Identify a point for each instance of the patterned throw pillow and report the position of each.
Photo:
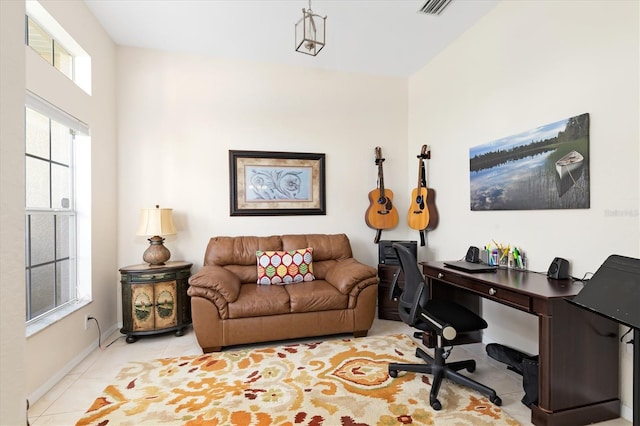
(285, 267)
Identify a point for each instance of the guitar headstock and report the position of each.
(425, 153)
(379, 158)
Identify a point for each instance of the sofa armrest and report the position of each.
(349, 273)
(216, 284)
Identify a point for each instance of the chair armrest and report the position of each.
(348, 273)
(442, 328)
(213, 283)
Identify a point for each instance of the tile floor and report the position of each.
(68, 400)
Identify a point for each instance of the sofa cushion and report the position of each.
(285, 267)
(259, 300)
(246, 274)
(315, 296)
(225, 251)
(325, 246)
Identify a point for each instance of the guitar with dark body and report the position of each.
(422, 214)
(381, 213)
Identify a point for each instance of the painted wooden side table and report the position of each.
(154, 299)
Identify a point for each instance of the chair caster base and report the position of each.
(393, 373)
(496, 400)
(435, 404)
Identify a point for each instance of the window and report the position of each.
(50, 212)
(57, 176)
(50, 41)
(49, 49)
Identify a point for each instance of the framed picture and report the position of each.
(266, 183)
(543, 168)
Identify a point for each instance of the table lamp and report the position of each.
(156, 222)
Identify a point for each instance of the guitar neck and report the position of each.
(423, 153)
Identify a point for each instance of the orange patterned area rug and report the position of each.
(331, 383)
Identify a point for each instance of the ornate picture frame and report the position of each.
(265, 183)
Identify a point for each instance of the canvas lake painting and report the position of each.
(543, 168)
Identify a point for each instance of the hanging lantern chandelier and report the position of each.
(310, 32)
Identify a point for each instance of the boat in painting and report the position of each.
(569, 163)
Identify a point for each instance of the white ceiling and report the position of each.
(383, 37)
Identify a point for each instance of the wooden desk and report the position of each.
(579, 367)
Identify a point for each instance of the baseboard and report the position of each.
(626, 412)
(73, 363)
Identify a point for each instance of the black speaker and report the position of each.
(559, 269)
(473, 255)
(388, 256)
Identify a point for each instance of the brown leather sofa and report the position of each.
(228, 307)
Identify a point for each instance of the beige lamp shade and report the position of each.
(156, 221)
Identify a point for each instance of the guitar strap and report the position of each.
(378, 231)
(423, 182)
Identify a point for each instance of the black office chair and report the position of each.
(443, 317)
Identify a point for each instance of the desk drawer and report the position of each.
(486, 290)
(505, 296)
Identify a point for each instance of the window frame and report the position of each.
(76, 297)
(80, 68)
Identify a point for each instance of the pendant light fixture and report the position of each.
(310, 32)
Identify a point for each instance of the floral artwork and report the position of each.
(276, 183)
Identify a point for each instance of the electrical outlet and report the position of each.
(86, 321)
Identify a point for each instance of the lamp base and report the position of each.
(156, 253)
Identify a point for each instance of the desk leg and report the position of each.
(579, 367)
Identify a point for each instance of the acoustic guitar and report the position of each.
(422, 212)
(381, 213)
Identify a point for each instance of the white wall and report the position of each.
(12, 306)
(179, 115)
(526, 64)
(38, 362)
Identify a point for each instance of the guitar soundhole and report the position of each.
(386, 203)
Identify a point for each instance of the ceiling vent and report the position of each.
(434, 7)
